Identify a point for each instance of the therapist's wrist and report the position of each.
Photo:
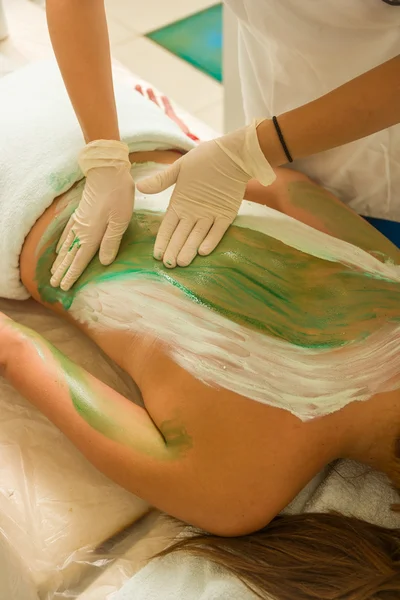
(99, 128)
(107, 133)
(270, 144)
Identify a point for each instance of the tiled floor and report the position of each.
(129, 21)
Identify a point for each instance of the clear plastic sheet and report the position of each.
(58, 515)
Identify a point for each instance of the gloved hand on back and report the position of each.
(103, 214)
(210, 185)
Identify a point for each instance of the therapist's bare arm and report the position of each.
(359, 108)
(78, 31)
(79, 35)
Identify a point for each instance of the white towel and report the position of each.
(183, 577)
(348, 487)
(40, 140)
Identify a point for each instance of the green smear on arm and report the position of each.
(121, 422)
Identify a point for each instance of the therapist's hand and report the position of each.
(103, 214)
(210, 184)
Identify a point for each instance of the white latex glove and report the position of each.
(210, 185)
(103, 214)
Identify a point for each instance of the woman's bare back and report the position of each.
(254, 444)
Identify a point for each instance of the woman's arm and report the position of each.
(116, 436)
(78, 31)
(172, 467)
(355, 110)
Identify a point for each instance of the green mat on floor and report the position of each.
(196, 39)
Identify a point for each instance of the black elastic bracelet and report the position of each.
(282, 139)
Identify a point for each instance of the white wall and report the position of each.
(233, 107)
(3, 23)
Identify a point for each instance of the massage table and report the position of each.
(66, 531)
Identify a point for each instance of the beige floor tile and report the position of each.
(119, 33)
(23, 13)
(28, 35)
(146, 15)
(29, 40)
(180, 81)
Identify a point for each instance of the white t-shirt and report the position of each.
(292, 52)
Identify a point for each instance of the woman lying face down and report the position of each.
(257, 365)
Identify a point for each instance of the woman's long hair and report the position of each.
(311, 556)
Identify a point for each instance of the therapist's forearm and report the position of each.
(78, 31)
(355, 110)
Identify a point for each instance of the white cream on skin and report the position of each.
(308, 382)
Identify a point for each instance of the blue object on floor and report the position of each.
(390, 229)
(197, 39)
